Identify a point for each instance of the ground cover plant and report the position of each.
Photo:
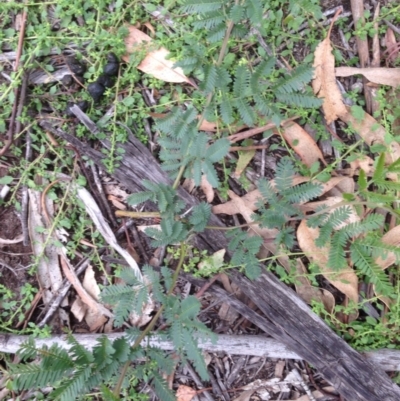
(216, 90)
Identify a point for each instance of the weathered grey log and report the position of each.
(353, 376)
(288, 319)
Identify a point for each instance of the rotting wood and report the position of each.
(288, 319)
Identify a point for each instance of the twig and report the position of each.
(25, 193)
(103, 199)
(10, 134)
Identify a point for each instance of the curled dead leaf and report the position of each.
(302, 143)
(156, 62)
(382, 76)
(324, 82)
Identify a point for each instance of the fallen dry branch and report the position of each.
(231, 344)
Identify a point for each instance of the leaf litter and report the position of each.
(157, 64)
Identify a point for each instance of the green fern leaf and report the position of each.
(201, 6)
(245, 111)
(303, 192)
(193, 352)
(190, 308)
(300, 100)
(362, 260)
(209, 20)
(226, 109)
(218, 150)
(160, 387)
(236, 13)
(241, 82)
(294, 81)
(200, 215)
(74, 386)
(210, 79)
(140, 197)
(284, 174)
(217, 33)
(337, 256)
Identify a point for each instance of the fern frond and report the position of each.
(178, 123)
(201, 6)
(70, 388)
(264, 69)
(298, 99)
(190, 308)
(218, 150)
(294, 81)
(236, 13)
(254, 11)
(362, 259)
(245, 111)
(161, 388)
(337, 256)
(241, 82)
(210, 172)
(210, 79)
(209, 20)
(284, 174)
(193, 353)
(217, 33)
(164, 362)
(200, 215)
(371, 222)
(226, 109)
(139, 197)
(303, 192)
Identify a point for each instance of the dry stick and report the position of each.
(10, 134)
(25, 193)
(103, 199)
(255, 131)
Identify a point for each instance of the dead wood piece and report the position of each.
(352, 375)
(137, 165)
(288, 319)
(247, 345)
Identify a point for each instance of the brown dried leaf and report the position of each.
(324, 82)
(346, 280)
(302, 143)
(156, 62)
(372, 133)
(207, 188)
(309, 293)
(382, 76)
(392, 237)
(245, 157)
(391, 45)
(185, 393)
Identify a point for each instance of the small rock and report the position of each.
(112, 58)
(111, 69)
(96, 91)
(75, 66)
(105, 80)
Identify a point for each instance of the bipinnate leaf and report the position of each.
(324, 82)
(156, 62)
(345, 280)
